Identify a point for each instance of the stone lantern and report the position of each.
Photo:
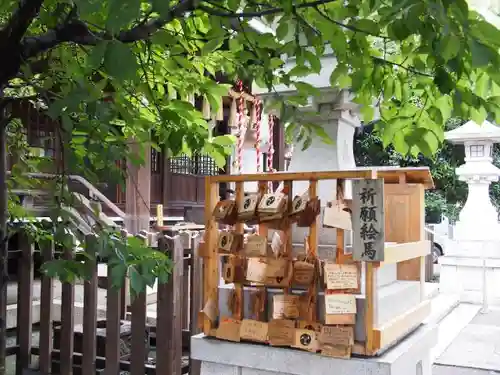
(478, 219)
(470, 267)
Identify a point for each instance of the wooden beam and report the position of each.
(391, 331)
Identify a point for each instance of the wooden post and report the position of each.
(168, 316)
(137, 206)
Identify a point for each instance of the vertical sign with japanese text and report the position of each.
(368, 220)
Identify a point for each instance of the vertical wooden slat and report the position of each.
(169, 315)
(67, 321)
(238, 288)
(313, 252)
(90, 315)
(24, 304)
(211, 262)
(196, 297)
(46, 296)
(138, 347)
(113, 302)
(263, 231)
(185, 296)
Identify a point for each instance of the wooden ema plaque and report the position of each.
(225, 212)
(337, 215)
(234, 270)
(268, 271)
(336, 351)
(345, 277)
(311, 326)
(337, 335)
(306, 340)
(230, 242)
(255, 246)
(247, 208)
(254, 330)
(285, 306)
(229, 329)
(303, 273)
(340, 309)
(272, 206)
(281, 332)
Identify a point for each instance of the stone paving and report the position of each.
(477, 346)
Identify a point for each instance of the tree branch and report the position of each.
(265, 12)
(78, 32)
(20, 20)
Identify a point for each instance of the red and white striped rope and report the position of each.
(241, 137)
(258, 116)
(270, 152)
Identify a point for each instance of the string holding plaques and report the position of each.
(230, 242)
(225, 212)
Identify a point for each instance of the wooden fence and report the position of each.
(108, 346)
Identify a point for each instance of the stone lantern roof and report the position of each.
(471, 131)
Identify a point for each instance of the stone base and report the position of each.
(464, 276)
(409, 357)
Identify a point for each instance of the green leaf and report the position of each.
(367, 26)
(282, 30)
(450, 47)
(444, 81)
(313, 60)
(96, 55)
(120, 62)
(225, 140)
(161, 6)
(122, 13)
(481, 54)
(137, 283)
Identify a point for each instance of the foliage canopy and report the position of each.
(111, 70)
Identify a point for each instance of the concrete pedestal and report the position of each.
(467, 277)
(410, 357)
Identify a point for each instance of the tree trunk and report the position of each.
(3, 236)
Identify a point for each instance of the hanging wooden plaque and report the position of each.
(339, 335)
(307, 217)
(254, 330)
(337, 215)
(247, 207)
(299, 204)
(340, 309)
(306, 340)
(285, 306)
(255, 246)
(229, 329)
(303, 273)
(234, 270)
(273, 203)
(281, 332)
(341, 276)
(230, 242)
(225, 212)
(336, 351)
